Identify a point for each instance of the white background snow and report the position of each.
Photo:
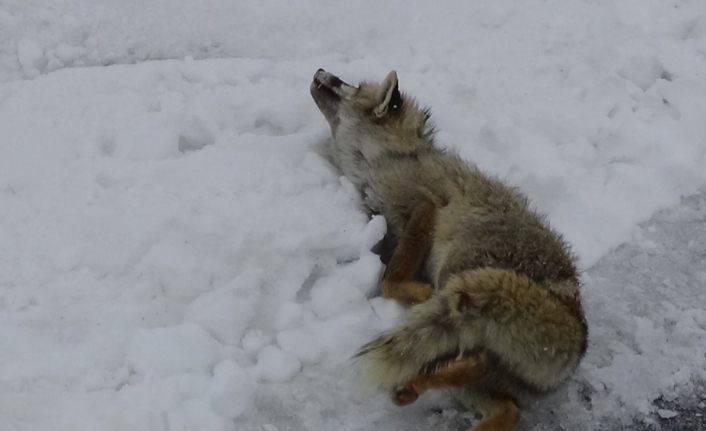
(175, 253)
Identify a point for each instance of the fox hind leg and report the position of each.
(502, 415)
(460, 372)
(408, 257)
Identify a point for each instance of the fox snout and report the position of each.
(328, 90)
(328, 80)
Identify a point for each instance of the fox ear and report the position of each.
(390, 98)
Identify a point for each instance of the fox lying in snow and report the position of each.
(496, 313)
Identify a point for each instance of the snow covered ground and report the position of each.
(175, 254)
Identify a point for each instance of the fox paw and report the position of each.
(403, 395)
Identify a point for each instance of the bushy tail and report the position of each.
(402, 352)
(530, 328)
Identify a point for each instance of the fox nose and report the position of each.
(320, 74)
(327, 79)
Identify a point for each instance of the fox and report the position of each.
(493, 292)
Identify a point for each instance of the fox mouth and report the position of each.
(328, 91)
(325, 83)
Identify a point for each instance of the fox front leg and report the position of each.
(408, 257)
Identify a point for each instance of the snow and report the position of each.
(184, 348)
(667, 414)
(177, 253)
(276, 365)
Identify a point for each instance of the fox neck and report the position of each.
(371, 147)
(360, 157)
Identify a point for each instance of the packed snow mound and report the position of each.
(179, 254)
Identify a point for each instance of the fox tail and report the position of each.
(536, 331)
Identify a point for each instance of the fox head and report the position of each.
(372, 113)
